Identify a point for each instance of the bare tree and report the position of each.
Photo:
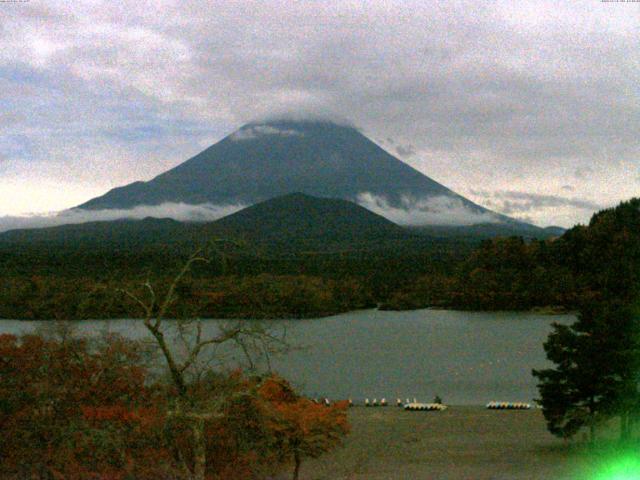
(251, 337)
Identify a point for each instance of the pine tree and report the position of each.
(596, 373)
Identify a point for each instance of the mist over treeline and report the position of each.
(412, 212)
(178, 211)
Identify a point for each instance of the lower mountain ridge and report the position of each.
(290, 222)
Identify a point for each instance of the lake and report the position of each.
(465, 357)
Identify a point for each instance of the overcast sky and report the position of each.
(529, 108)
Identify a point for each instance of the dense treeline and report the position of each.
(40, 281)
(502, 274)
(264, 280)
(260, 296)
(512, 274)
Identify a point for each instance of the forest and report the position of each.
(111, 408)
(85, 280)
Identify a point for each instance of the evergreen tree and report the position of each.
(620, 326)
(596, 373)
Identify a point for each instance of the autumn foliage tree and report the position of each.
(75, 410)
(192, 412)
(301, 427)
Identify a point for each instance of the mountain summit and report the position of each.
(266, 160)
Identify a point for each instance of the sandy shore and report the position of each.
(460, 443)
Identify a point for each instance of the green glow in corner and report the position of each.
(626, 467)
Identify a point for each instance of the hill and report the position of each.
(299, 218)
(286, 225)
(302, 256)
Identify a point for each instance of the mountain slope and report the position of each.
(266, 160)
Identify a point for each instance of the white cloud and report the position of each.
(255, 131)
(178, 211)
(440, 210)
(532, 206)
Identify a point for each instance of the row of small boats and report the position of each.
(434, 406)
(429, 407)
(508, 406)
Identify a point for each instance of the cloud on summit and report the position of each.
(255, 131)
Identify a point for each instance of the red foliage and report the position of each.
(75, 411)
(71, 411)
(302, 427)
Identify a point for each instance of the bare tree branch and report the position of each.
(261, 340)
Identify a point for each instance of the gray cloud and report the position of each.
(583, 172)
(506, 95)
(514, 202)
(406, 150)
(178, 211)
(428, 211)
(11, 118)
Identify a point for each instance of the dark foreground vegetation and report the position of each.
(585, 263)
(71, 408)
(274, 270)
(76, 410)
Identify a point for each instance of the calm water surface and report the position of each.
(465, 357)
